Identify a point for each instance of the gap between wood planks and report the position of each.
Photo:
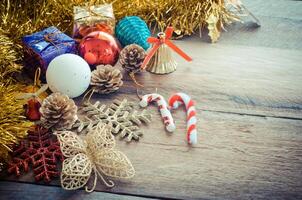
(254, 115)
(12, 183)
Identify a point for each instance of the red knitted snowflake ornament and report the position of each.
(41, 151)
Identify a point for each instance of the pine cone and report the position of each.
(106, 79)
(58, 112)
(132, 57)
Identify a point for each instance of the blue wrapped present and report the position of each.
(41, 47)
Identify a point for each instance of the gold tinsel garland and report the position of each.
(13, 124)
(8, 56)
(22, 17)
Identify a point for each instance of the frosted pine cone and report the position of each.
(106, 79)
(132, 57)
(58, 112)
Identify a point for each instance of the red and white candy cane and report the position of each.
(163, 108)
(181, 98)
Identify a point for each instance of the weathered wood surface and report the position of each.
(249, 102)
(248, 80)
(238, 157)
(13, 190)
(280, 25)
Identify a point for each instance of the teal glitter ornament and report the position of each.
(133, 30)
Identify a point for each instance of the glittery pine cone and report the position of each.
(58, 112)
(132, 57)
(106, 79)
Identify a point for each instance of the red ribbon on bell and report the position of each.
(163, 38)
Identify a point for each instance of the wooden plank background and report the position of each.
(13, 190)
(248, 89)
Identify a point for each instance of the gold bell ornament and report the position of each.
(159, 59)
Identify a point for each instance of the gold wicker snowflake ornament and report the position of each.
(119, 115)
(96, 154)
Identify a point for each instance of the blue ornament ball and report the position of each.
(133, 30)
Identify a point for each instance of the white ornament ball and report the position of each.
(68, 74)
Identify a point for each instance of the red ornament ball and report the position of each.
(90, 58)
(100, 48)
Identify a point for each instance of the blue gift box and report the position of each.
(41, 47)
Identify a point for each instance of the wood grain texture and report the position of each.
(238, 157)
(283, 9)
(17, 191)
(247, 80)
(280, 25)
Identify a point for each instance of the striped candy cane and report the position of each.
(163, 108)
(181, 98)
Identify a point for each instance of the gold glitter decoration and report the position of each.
(8, 56)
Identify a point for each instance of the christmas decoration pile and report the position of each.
(85, 136)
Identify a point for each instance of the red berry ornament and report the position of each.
(32, 110)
